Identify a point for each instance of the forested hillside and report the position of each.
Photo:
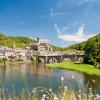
(20, 42)
(81, 46)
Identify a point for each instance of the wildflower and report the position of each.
(56, 98)
(33, 91)
(62, 78)
(79, 96)
(90, 88)
(65, 88)
(73, 76)
(93, 81)
(50, 90)
(79, 91)
(89, 96)
(44, 96)
(41, 90)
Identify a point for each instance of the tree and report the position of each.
(92, 51)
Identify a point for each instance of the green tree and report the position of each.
(92, 51)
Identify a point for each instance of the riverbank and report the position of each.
(89, 69)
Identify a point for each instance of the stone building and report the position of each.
(41, 46)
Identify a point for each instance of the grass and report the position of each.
(64, 94)
(86, 68)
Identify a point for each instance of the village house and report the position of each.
(23, 54)
(9, 53)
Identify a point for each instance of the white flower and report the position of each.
(79, 91)
(65, 88)
(41, 90)
(50, 90)
(56, 98)
(62, 78)
(93, 81)
(33, 91)
(43, 97)
(79, 96)
(73, 76)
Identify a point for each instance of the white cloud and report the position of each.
(80, 30)
(84, 1)
(57, 29)
(62, 3)
(64, 28)
(52, 13)
(74, 37)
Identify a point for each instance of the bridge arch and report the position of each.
(40, 59)
(52, 60)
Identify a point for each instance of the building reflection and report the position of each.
(39, 69)
(42, 70)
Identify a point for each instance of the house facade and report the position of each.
(23, 54)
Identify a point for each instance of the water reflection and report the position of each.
(30, 76)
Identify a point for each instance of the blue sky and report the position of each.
(61, 22)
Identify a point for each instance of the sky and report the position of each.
(60, 22)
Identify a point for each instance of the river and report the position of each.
(29, 76)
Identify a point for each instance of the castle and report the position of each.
(41, 47)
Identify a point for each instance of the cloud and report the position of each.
(51, 13)
(57, 29)
(62, 3)
(64, 28)
(74, 37)
(80, 30)
(84, 1)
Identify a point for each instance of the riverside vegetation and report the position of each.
(39, 93)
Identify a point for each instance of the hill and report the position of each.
(81, 46)
(20, 42)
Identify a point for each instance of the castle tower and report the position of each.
(38, 39)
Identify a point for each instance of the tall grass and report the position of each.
(41, 93)
(66, 94)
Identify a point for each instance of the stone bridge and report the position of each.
(49, 58)
(57, 58)
(73, 57)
